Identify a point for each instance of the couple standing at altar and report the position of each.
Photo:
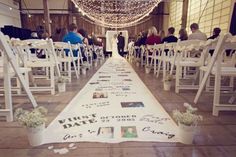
(118, 44)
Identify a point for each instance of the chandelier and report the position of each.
(116, 13)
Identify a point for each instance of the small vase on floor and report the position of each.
(147, 70)
(167, 85)
(61, 87)
(95, 63)
(84, 71)
(186, 133)
(35, 135)
(100, 61)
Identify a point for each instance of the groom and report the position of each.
(121, 44)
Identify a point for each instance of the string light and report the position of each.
(116, 13)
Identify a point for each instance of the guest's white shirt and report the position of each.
(197, 35)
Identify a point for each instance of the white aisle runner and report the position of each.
(114, 106)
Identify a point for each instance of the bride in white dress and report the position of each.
(114, 42)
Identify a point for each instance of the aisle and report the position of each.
(114, 106)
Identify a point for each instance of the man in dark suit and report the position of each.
(170, 38)
(121, 44)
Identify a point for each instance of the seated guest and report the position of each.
(86, 41)
(170, 37)
(64, 31)
(56, 35)
(183, 35)
(84, 35)
(45, 35)
(216, 33)
(96, 41)
(162, 34)
(40, 30)
(152, 37)
(138, 39)
(143, 38)
(72, 35)
(196, 33)
(90, 39)
(59, 34)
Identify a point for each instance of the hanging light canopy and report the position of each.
(116, 13)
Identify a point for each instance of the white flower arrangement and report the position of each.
(168, 78)
(188, 117)
(85, 65)
(61, 79)
(31, 119)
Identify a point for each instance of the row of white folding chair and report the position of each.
(216, 67)
(150, 51)
(228, 60)
(99, 52)
(87, 55)
(66, 58)
(24, 71)
(49, 63)
(174, 52)
(167, 55)
(143, 55)
(88, 52)
(131, 53)
(163, 56)
(149, 55)
(136, 53)
(146, 53)
(187, 54)
(10, 60)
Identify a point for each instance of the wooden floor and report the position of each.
(216, 136)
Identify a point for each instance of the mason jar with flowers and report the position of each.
(34, 121)
(61, 84)
(187, 122)
(167, 82)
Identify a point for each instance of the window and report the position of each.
(207, 13)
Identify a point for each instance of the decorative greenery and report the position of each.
(188, 117)
(31, 119)
(61, 79)
(168, 78)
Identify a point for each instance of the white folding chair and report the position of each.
(65, 57)
(184, 58)
(164, 55)
(216, 68)
(48, 64)
(10, 59)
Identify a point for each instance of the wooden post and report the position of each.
(184, 14)
(70, 10)
(47, 17)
